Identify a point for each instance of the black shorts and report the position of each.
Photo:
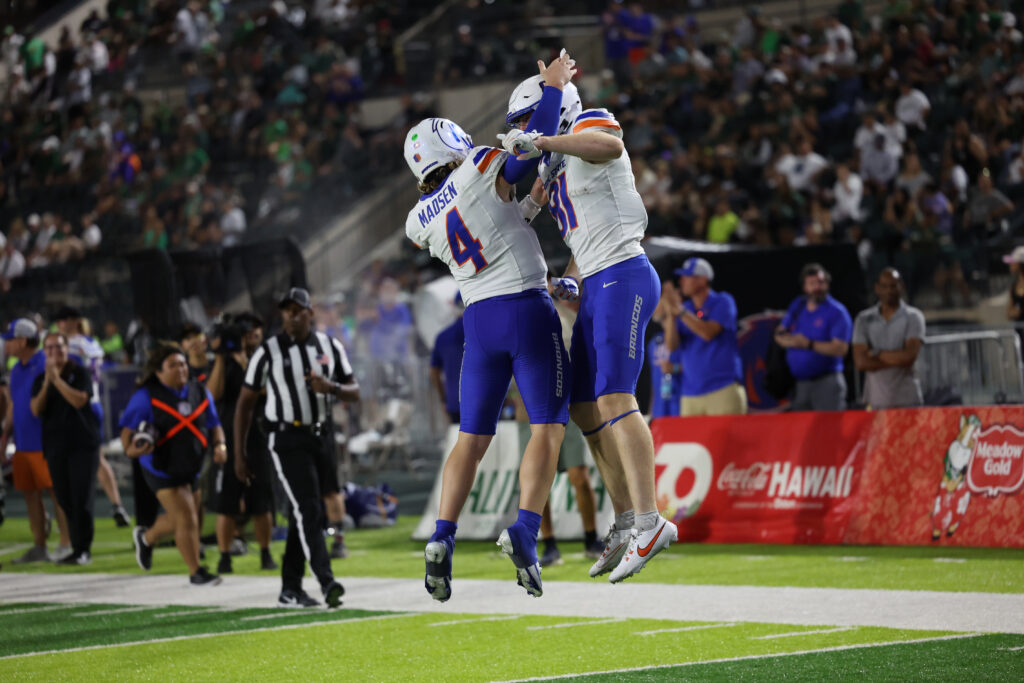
(156, 483)
(227, 493)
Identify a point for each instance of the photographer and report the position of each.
(234, 340)
(168, 425)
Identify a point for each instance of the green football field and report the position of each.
(141, 636)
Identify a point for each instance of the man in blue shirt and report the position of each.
(446, 363)
(816, 335)
(705, 332)
(31, 474)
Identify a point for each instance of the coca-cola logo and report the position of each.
(739, 479)
(997, 463)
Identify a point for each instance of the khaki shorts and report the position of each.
(729, 400)
(30, 471)
(572, 453)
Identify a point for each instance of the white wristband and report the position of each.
(528, 208)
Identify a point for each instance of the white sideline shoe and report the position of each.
(643, 545)
(615, 542)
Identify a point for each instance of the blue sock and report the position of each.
(531, 520)
(524, 535)
(445, 529)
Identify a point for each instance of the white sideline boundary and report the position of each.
(804, 607)
(725, 660)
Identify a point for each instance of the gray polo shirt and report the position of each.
(890, 387)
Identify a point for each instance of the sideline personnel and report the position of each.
(299, 368)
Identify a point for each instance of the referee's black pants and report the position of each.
(74, 484)
(295, 454)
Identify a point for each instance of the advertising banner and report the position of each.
(785, 478)
(494, 499)
(950, 476)
(913, 477)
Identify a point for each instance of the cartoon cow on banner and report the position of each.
(954, 496)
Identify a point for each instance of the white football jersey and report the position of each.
(483, 240)
(599, 212)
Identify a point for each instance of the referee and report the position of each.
(299, 368)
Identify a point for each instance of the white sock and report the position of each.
(646, 521)
(625, 520)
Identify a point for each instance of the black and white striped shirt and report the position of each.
(282, 365)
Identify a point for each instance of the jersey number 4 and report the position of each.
(561, 207)
(464, 246)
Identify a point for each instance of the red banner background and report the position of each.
(903, 477)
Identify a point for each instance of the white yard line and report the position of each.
(119, 610)
(42, 608)
(574, 624)
(794, 634)
(681, 629)
(1012, 649)
(724, 660)
(188, 613)
(459, 622)
(287, 627)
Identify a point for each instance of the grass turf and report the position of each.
(996, 657)
(317, 644)
(389, 553)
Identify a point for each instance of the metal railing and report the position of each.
(975, 367)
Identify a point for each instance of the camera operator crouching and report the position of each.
(234, 340)
(301, 369)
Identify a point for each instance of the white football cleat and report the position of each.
(615, 543)
(643, 545)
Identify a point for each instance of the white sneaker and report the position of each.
(527, 573)
(643, 545)
(615, 542)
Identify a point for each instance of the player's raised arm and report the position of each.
(590, 145)
(544, 120)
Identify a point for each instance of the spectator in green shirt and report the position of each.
(723, 223)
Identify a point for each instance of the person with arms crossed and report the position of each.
(468, 219)
(71, 441)
(169, 424)
(705, 330)
(816, 335)
(300, 368)
(31, 473)
(602, 219)
(886, 341)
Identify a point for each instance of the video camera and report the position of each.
(231, 329)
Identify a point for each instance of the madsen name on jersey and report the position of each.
(445, 196)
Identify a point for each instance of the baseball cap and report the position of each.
(1015, 256)
(21, 328)
(696, 267)
(296, 295)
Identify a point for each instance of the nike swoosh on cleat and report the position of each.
(612, 551)
(609, 284)
(646, 549)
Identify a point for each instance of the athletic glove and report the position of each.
(520, 144)
(566, 288)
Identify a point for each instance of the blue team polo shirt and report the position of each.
(447, 357)
(140, 409)
(28, 429)
(828, 321)
(710, 365)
